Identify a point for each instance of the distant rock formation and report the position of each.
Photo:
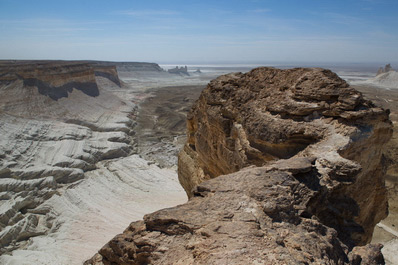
(179, 70)
(386, 78)
(108, 72)
(134, 66)
(281, 167)
(56, 79)
(386, 69)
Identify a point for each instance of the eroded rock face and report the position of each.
(57, 120)
(57, 79)
(300, 154)
(270, 114)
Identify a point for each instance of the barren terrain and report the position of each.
(72, 174)
(99, 162)
(161, 123)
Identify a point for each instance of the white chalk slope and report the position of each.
(89, 214)
(68, 180)
(387, 80)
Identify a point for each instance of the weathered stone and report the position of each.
(279, 168)
(277, 114)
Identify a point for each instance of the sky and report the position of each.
(204, 31)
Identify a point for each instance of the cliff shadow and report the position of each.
(55, 93)
(338, 211)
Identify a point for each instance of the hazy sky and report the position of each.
(200, 31)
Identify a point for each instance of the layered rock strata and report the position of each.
(300, 154)
(57, 120)
(57, 79)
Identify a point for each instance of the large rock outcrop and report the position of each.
(303, 177)
(270, 114)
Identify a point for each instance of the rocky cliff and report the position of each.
(281, 167)
(135, 66)
(57, 79)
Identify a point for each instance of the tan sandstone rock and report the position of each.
(270, 114)
(300, 154)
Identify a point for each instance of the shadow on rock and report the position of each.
(55, 93)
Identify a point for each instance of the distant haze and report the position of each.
(200, 31)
